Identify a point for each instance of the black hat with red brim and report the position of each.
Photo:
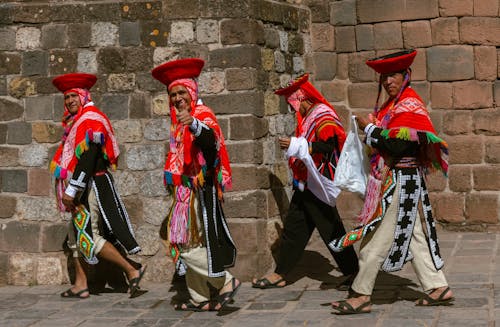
(394, 62)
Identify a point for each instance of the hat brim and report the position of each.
(287, 91)
(178, 69)
(74, 81)
(394, 62)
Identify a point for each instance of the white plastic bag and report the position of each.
(351, 173)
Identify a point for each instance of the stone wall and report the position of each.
(251, 47)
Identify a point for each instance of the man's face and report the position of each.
(72, 102)
(392, 83)
(180, 97)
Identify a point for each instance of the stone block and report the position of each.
(28, 38)
(8, 207)
(157, 130)
(155, 33)
(322, 37)
(156, 209)
(240, 56)
(140, 105)
(147, 237)
(320, 11)
(417, 34)
(129, 33)
(466, 149)
(362, 95)
(10, 110)
(120, 82)
(211, 82)
(245, 152)
(38, 108)
(456, 8)
(482, 208)
(31, 14)
(10, 63)
(371, 11)
(497, 93)
(445, 30)
(145, 157)
(422, 89)
(39, 182)
(325, 65)
(19, 133)
(38, 208)
(457, 122)
(3, 133)
(449, 63)
(279, 62)
(272, 38)
(135, 209)
(437, 120)
(246, 205)
(115, 106)
(486, 8)
(146, 82)
(486, 178)
(44, 132)
(161, 105)
(448, 207)
(104, 34)
(207, 31)
(33, 155)
(53, 236)
(343, 66)
(460, 178)
(343, 12)
(142, 11)
(480, 30)
(8, 36)
(247, 236)
(441, 95)
(87, 61)
(334, 91)
(20, 87)
(9, 157)
(345, 39)
(22, 269)
(241, 31)
(16, 236)
(35, 63)
(150, 185)
(67, 12)
(295, 43)
(84, 33)
(237, 103)
(111, 60)
(241, 79)
(436, 182)
(49, 271)
(364, 37)
(247, 178)
(181, 32)
(4, 258)
(487, 121)
(291, 17)
(485, 63)
(472, 94)
(54, 36)
(126, 182)
(247, 127)
(229, 8)
(387, 36)
(62, 61)
(492, 151)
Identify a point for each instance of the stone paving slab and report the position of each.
(470, 266)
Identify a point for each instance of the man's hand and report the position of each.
(362, 122)
(284, 142)
(184, 117)
(68, 202)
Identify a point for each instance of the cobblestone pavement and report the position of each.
(470, 266)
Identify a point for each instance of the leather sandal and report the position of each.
(427, 301)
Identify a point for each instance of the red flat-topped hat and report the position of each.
(394, 62)
(177, 69)
(74, 81)
(293, 86)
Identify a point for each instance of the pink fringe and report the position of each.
(179, 221)
(372, 198)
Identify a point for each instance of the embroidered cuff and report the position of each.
(71, 191)
(196, 127)
(368, 131)
(78, 183)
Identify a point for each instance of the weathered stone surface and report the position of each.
(487, 121)
(417, 34)
(211, 82)
(387, 36)
(111, 60)
(128, 130)
(38, 108)
(127, 183)
(247, 127)
(10, 63)
(157, 130)
(240, 56)
(67, 12)
(147, 237)
(9, 156)
(28, 38)
(84, 32)
(16, 236)
(245, 152)
(33, 155)
(3, 133)
(345, 39)
(460, 178)
(207, 31)
(49, 271)
(62, 62)
(242, 31)
(272, 38)
(87, 61)
(322, 37)
(492, 150)
(472, 94)
(39, 182)
(120, 82)
(54, 36)
(370, 11)
(53, 236)
(250, 178)
(441, 95)
(445, 30)
(486, 178)
(364, 37)
(135, 209)
(37, 208)
(4, 264)
(296, 43)
(151, 184)
(10, 110)
(104, 34)
(138, 59)
(480, 30)
(156, 209)
(465, 149)
(334, 91)
(357, 68)
(246, 205)
(482, 208)
(359, 95)
(448, 207)
(22, 269)
(47, 132)
(241, 79)
(8, 207)
(343, 12)
(448, 63)
(279, 62)
(19, 133)
(21, 87)
(140, 105)
(237, 103)
(161, 105)
(129, 34)
(486, 7)
(230, 8)
(115, 106)
(35, 63)
(145, 157)
(326, 65)
(8, 36)
(155, 33)
(485, 63)
(457, 122)
(455, 8)
(182, 32)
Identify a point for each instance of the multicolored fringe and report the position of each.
(86, 246)
(180, 218)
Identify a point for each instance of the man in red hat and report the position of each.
(85, 188)
(405, 148)
(313, 155)
(196, 173)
